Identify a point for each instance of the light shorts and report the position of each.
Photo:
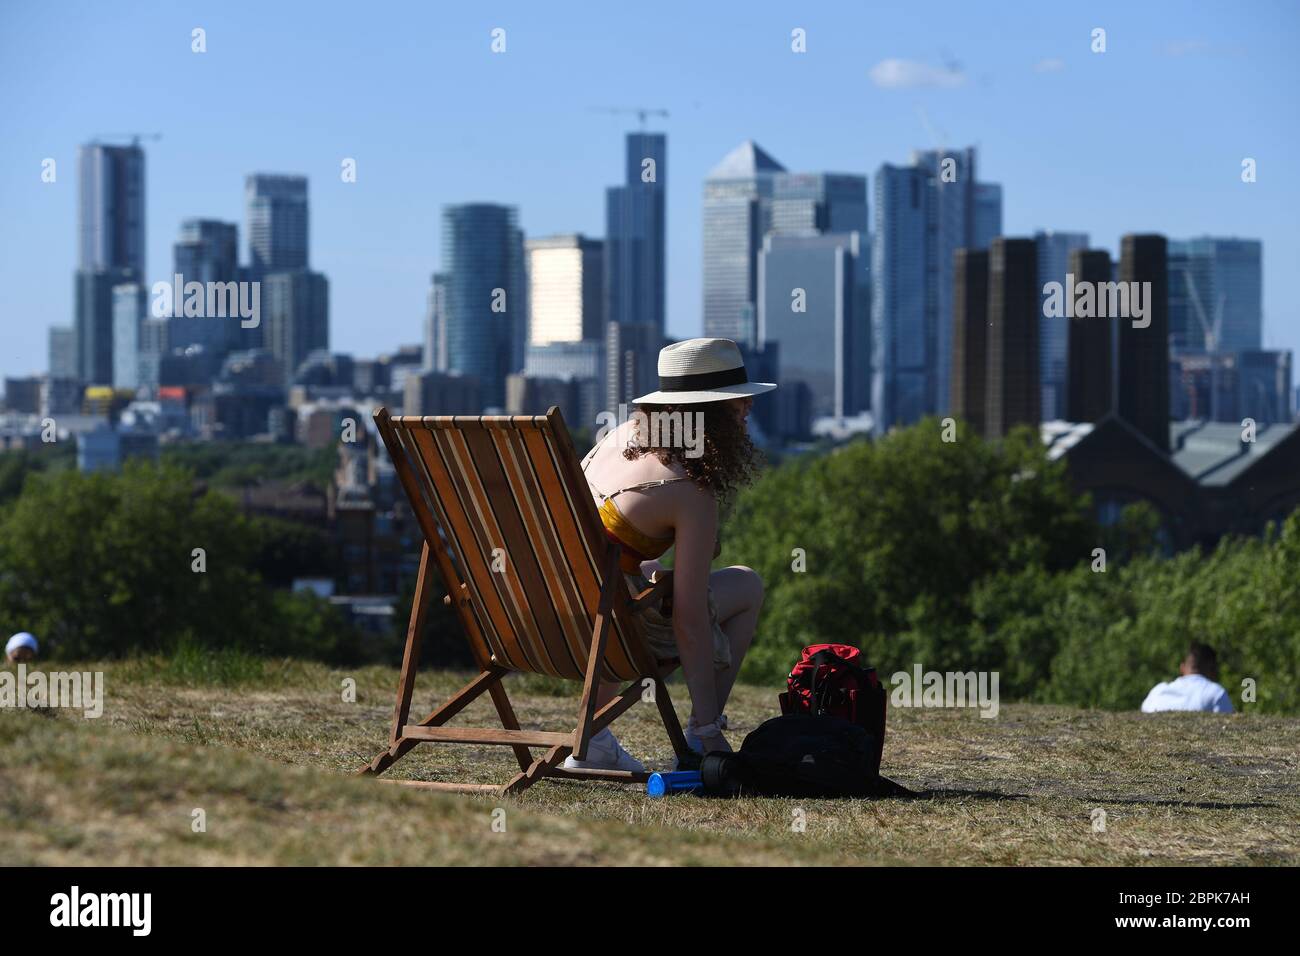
(659, 627)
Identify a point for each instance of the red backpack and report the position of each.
(834, 680)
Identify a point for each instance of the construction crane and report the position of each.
(641, 111)
(134, 137)
(1212, 332)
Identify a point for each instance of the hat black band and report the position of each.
(703, 381)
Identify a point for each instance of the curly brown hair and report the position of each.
(729, 459)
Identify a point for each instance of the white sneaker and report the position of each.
(604, 752)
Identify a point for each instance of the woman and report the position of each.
(658, 480)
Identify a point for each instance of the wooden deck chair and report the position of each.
(510, 524)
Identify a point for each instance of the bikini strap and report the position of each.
(638, 487)
(641, 487)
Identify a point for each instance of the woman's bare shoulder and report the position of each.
(693, 498)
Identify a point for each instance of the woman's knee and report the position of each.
(750, 585)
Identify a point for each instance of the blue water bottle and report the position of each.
(666, 784)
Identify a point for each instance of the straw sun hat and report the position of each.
(702, 370)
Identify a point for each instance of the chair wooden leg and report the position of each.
(596, 657)
(510, 722)
(505, 710)
(539, 769)
(623, 701)
(590, 720)
(547, 766)
(414, 637)
(669, 716)
(487, 680)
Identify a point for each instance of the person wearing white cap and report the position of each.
(21, 647)
(658, 480)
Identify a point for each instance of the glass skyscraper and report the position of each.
(737, 214)
(1054, 250)
(631, 361)
(565, 289)
(818, 203)
(486, 294)
(748, 196)
(152, 351)
(924, 213)
(276, 219)
(813, 306)
(636, 230)
(63, 352)
(110, 248)
(294, 317)
(111, 224)
(580, 363)
(93, 309)
(988, 214)
(208, 251)
(435, 325)
(1264, 386)
(1215, 287)
(963, 213)
(128, 317)
(902, 335)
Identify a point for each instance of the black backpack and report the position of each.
(835, 680)
(800, 755)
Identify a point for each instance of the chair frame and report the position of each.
(614, 596)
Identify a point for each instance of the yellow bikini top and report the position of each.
(637, 545)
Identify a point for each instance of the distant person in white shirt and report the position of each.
(21, 648)
(1195, 689)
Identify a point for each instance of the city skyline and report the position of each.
(379, 243)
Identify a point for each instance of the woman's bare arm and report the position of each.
(695, 534)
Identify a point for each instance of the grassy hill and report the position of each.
(263, 749)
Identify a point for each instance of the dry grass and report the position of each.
(264, 753)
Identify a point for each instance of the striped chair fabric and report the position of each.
(510, 505)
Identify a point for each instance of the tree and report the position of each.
(895, 533)
(101, 564)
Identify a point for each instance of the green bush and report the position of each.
(894, 535)
(104, 565)
(974, 555)
(101, 564)
(16, 464)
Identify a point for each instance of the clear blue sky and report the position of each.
(1148, 136)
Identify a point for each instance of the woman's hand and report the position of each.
(651, 568)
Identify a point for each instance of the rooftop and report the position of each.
(1213, 453)
(745, 161)
(1210, 453)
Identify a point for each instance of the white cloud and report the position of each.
(1049, 65)
(897, 74)
(1186, 47)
